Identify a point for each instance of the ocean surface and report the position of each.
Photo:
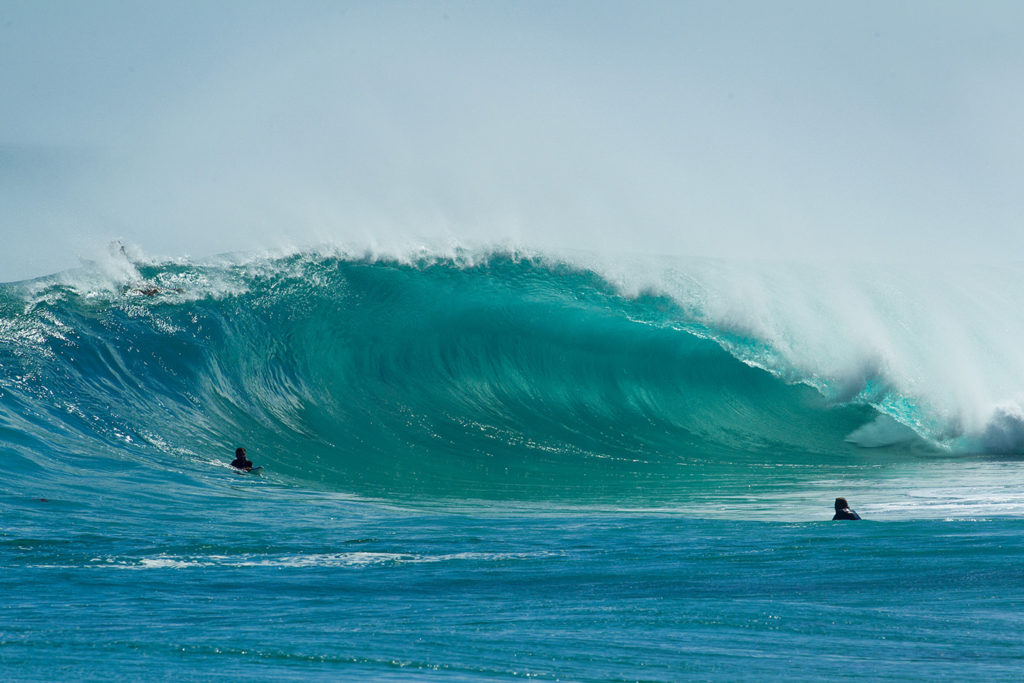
(503, 465)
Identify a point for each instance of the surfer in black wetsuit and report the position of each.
(843, 510)
(240, 461)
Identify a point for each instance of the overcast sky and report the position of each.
(806, 130)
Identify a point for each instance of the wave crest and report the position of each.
(499, 374)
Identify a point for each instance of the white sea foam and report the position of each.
(346, 559)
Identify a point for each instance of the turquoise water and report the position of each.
(475, 469)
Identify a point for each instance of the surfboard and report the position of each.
(256, 470)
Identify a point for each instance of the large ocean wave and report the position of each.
(494, 375)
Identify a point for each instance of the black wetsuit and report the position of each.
(845, 513)
(241, 463)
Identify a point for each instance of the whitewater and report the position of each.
(488, 464)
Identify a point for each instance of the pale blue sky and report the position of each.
(807, 130)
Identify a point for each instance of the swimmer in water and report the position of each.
(240, 462)
(843, 510)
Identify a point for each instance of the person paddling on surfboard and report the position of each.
(843, 510)
(240, 461)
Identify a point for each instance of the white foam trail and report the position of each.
(354, 559)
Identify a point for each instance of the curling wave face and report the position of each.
(495, 377)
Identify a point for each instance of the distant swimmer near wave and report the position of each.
(843, 510)
(242, 463)
(144, 287)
